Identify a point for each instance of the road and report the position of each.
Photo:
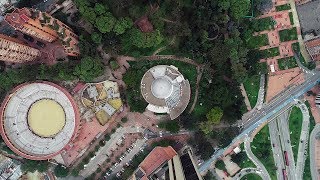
(284, 134)
(276, 148)
(261, 93)
(264, 173)
(267, 113)
(303, 143)
(312, 146)
(246, 171)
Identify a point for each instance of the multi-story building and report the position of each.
(164, 163)
(313, 48)
(12, 50)
(43, 26)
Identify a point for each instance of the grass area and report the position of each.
(261, 147)
(291, 18)
(307, 172)
(287, 63)
(257, 41)
(283, 7)
(263, 24)
(251, 177)
(288, 34)
(272, 52)
(295, 123)
(252, 85)
(245, 161)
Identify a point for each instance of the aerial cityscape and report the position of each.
(159, 90)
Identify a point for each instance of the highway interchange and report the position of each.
(271, 111)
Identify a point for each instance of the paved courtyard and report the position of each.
(309, 16)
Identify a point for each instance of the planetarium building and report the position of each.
(166, 90)
(38, 120)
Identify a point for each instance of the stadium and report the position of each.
(38, 120)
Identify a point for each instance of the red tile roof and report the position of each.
(156, 158)
(313, 47)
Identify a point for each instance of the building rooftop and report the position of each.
(313, 48)
(31, 128)
(155, 159)
(166, 90)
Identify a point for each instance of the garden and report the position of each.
(283, 7)
(287, 63)
(268, 53)
(252, 86)
(288, 34)
(261, 147)
(295, 124)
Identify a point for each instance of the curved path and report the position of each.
(312, 146)
(247, 171)
(163, 57)
(264, 173)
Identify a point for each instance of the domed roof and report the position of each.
(161, 88)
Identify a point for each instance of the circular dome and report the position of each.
(38, 120)
(161, 88)
(46, 118)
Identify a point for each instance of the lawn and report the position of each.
(251, 177)
(252, 85)
(272, 52)
(261, 147)
(245, 161)
(257, 41)
(283, 7)
(288, 34)
(287, 63)
(307, 172)
(296, 48)
(291, 18)
(295, 123)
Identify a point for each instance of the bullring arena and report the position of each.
(38, 120)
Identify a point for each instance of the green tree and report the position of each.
(61, 171)
(214, 115)
(122, 25)
(105, 23)
(172, 126)
(224, 5)
(89, 14)
(88, 69)
(96, 37)
(145, 40)
(100, 8)
(32, 166)
(239, 8)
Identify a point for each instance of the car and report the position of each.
(273, 145)
(288, 141)
(27, 37)
(107, 174)
(40, 44)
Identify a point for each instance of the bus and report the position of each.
(284, 173)
(286, 158)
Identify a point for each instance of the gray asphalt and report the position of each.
(312, 147)
(284, 133)
(264, 173)
(303, 143)
(276, 148)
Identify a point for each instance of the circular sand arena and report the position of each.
(46, 113)
(38, 120)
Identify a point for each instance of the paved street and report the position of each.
(303, 143)
(284, 133)
(264, 173)
(101, 155)
(313, 161)
(276, 148)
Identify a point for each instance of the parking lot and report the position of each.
(309, 16)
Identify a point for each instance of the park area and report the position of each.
(252, 85)
(272, 52)
(288, 34)
(295, 123)
(287, 63)
(251, 176)
(257, 41)
(261, 147)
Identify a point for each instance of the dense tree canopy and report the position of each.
(88, 69)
